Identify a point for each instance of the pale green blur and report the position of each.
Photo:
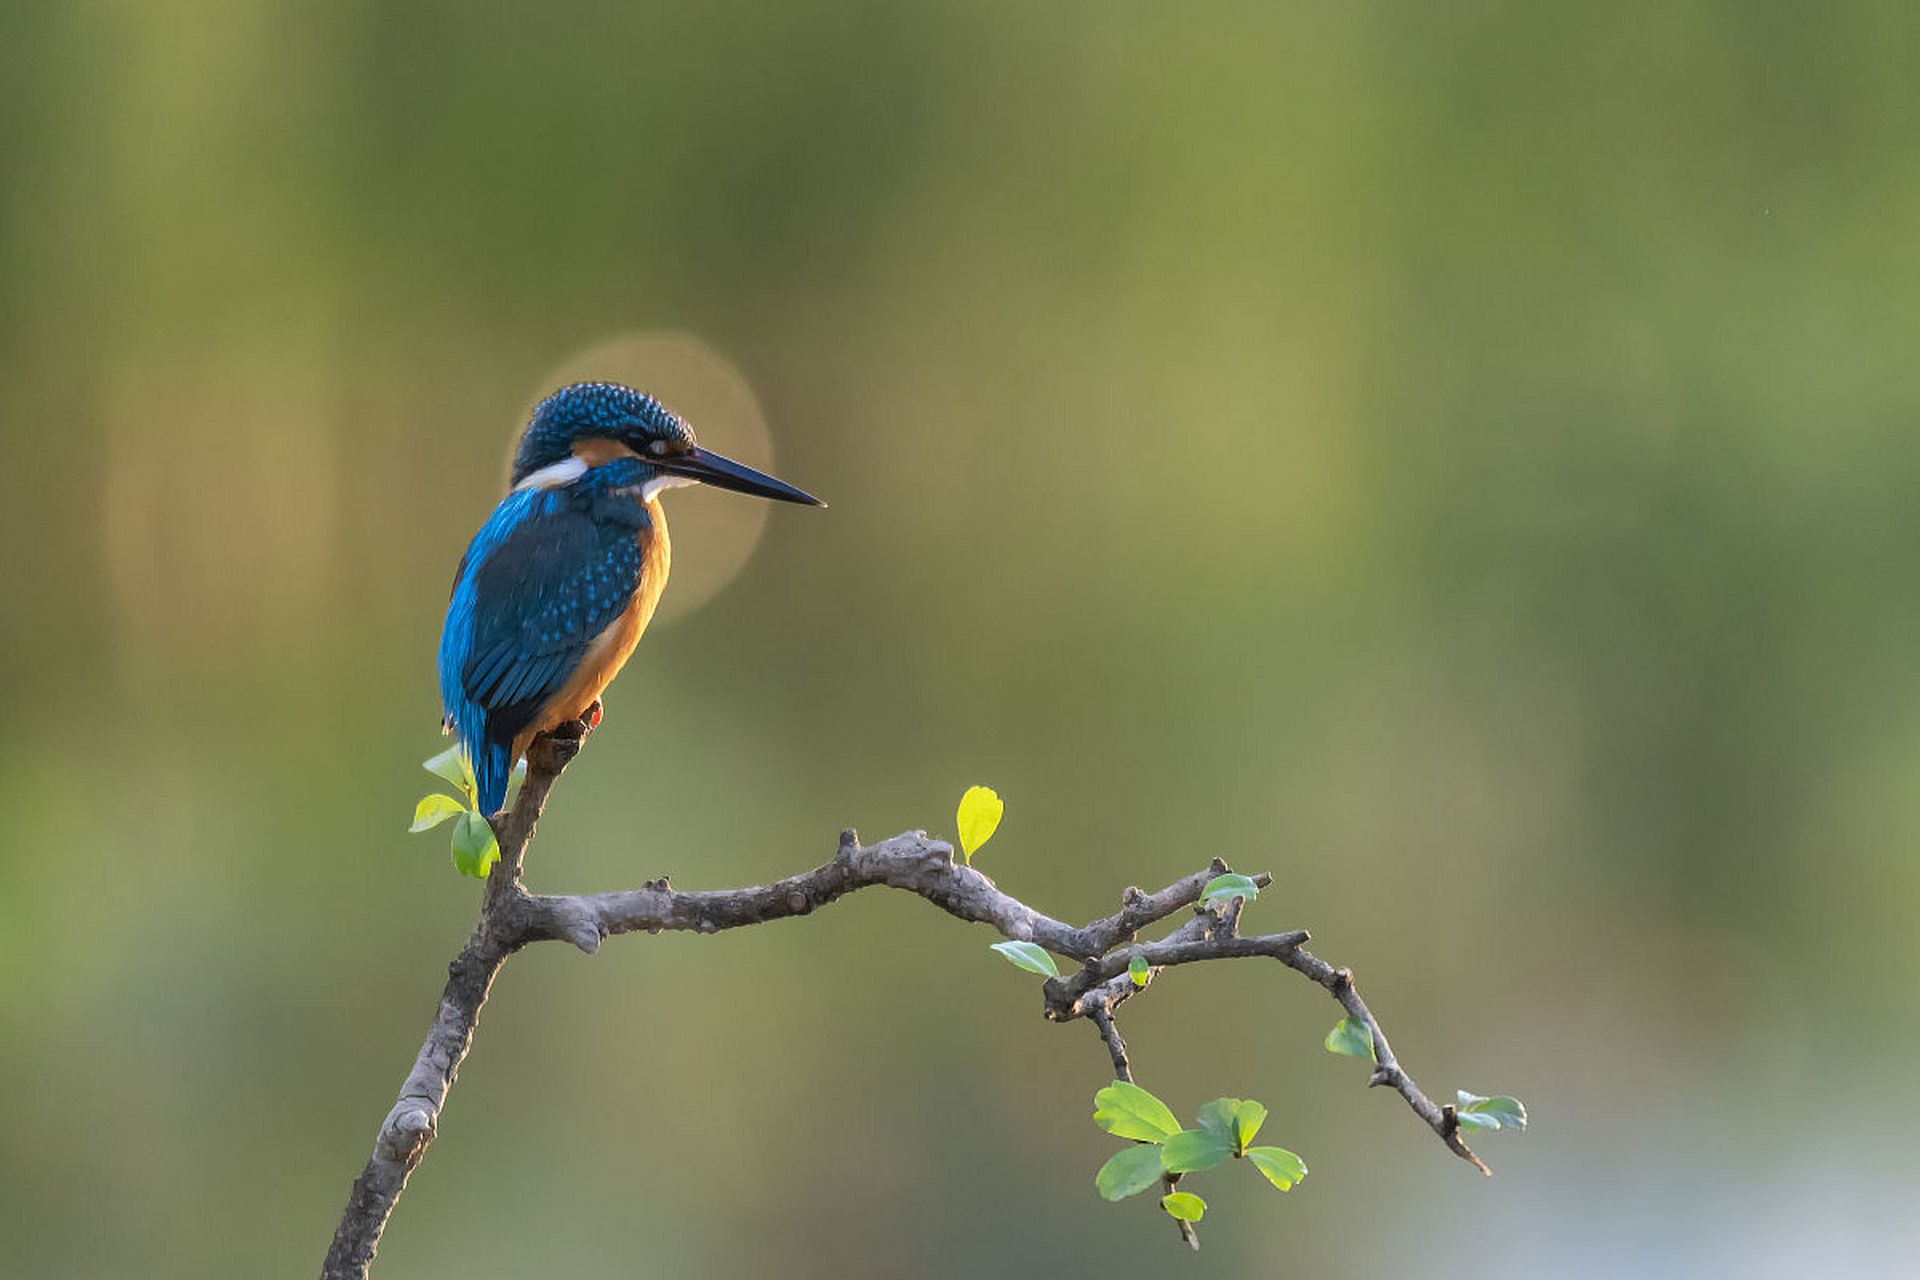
(1460, 458)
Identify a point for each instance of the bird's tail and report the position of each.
(492, 767)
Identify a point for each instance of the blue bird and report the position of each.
(557, 586)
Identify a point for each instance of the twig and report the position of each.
(1102, 1018)
(511, 918)
(1110, 1034)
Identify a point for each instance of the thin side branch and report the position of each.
(511, 918)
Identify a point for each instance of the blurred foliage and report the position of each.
(1459, 458)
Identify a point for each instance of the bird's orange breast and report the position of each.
(614, 645)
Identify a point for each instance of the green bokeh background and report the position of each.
(1460, 458)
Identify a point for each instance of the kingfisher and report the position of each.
(556, 588)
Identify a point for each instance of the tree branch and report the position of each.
(511, 918)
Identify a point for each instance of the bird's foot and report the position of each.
(552, 752)
(562, 743)
(577, 730)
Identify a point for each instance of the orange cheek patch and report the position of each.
(596, 450)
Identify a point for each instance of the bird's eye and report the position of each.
(658, 448)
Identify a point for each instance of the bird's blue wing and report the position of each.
(545, 575)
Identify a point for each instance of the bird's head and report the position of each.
(591, 423)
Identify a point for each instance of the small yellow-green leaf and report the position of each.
(1192, 1150)
(1282, 1167)
(977, 820)
(1231, 885)
(1235, 1119)
(434, 810)
(1029, 956)
(1502, 1112)
(1125, 1110)
(1137, 970)
(453, 765)
(474, 848)
(1184, 1205)
(1351, 1038)
(1128, 1172)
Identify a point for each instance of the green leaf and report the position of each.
(1029, 956)
(434, 810)
(1128, 1111)
(1230, 886)
(1351, 1038)
(1235, 1119)
(977, 820)
(1137, 970)
(515, 781)
(1184, 1205)
(474, 848)
(1192, 1150)
(452, 765)
(1129, 1172)
(1282, 1167)
(1502, 1112)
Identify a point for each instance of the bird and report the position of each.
(556, 588)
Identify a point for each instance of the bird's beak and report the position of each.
(709, 467)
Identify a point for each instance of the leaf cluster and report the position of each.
(474, 847)
(1224, 1129)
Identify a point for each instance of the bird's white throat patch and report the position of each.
(665, 480)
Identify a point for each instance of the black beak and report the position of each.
(709, 467)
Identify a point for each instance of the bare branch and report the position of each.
(1110, 1035)
(511, 918)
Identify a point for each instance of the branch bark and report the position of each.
(512, 918)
